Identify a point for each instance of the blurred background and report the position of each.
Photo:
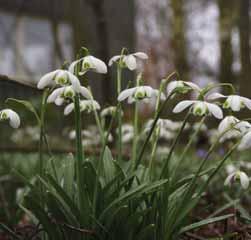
(204, 40)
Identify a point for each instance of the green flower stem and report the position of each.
(101, 131)
(119, 79)
(41, 138)
(95, 196)
(190, 142)
(165, 167)
(79, 153)
(135, 132)
(157, 130)
(135, 127)
(154, 148)
(142, 151)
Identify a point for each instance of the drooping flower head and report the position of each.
(89, 63)
(199, 108)
(128, 61)
(181, 87)
(163, 128)
(237, 176)
(234, 102)
(59, 95)
(245, 142)
(11, 116)
(109, 111)
(139, 93)
(61, 78)
(85, 105)
(231, 127)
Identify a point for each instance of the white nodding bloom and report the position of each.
(200, 108)
(237, 176)
(59, 77)
(234, 102)
(228, 128)
(109, 111)
(181, 87)
(245, 142)
(129, 61)
(59, 95)
(89, 63)
(138, 93)
(127, 133)
(11, 116)
(85, 105)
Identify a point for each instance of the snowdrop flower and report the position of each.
(230, 168)
(89, 63)
(200, 108)
(60, 94)
(11, 116)
(237, 175)
(129, 61)
(198, 126)
(235, 102)
(228, 129)
(59, 77)
(138, 93)
(161, 126)
(245, 141)
(109, 111)
(127, 133)
(85, 105)
(181, 87)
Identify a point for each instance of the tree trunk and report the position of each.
(244, 28)
(178, 41)
(226, 24)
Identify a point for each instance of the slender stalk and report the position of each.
(154, 148)
(95, 196)
(41, 138)
(119, 79)
(135, 132)
(157, 130)
(41, 142)
(142, 151)
(136, 126)
(188, 146)
(164, 169)
(79, 152)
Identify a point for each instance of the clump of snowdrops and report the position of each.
(108, 196)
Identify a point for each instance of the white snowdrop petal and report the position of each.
(98, 65)
(214, 96)
(171, 86)
(47, 79)
(59, 101)
(244, 179)
(95, 105)
(141, 55)
(215, 110)
(247, 102)
(85, 93)
(229, 179)
(245, 141)
(126, 93)
(192, 85)
(55, 94)
(183, 105)
(235, 103)
(73, 65)
(74, 82)
(68, 109)
(113, 60)
(12, 117)
(130, 62)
